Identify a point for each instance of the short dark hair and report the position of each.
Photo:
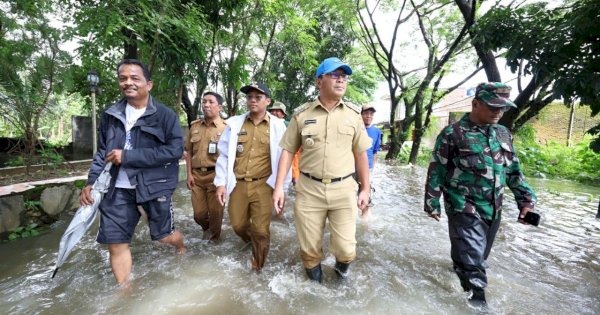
(135, 62)
(216, 95)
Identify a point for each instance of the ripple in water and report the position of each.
(403, 264)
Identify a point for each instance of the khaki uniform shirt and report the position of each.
(253, 157)
(199, 137)
(328, 138)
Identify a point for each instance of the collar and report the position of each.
(340, 103)
(216, 122)
(468, 124)
(267, 117)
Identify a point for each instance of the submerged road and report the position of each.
(403, 264)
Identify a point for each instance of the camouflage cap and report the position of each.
(280, 106)
(494, 94)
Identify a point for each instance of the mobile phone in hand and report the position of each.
(532, 218)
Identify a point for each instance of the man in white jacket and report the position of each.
(246, 169)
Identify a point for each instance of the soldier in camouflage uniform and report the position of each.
(472, 161)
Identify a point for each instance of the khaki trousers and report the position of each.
(250, 216)
(208, 212)
(315, 204)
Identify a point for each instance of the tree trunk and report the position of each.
(488, 60)
(570, 132)
(129, 45)
(394, 149)
(191, 111)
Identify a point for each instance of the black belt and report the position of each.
(248, 179)
(326, 180)
(205, 169)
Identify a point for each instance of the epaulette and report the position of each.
(196, 121)
(301, 108)
(355, 108)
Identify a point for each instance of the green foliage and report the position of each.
(18, 161)
(50, 157)
(556, 160)
(423, 158)
(32, 68)
(80, 183)
(29, 230)
(526, 134)
(558, 46)
(32, 204)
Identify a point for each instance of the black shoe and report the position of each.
(341, 269)
(315, 273)
(477, 297)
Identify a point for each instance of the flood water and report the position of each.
(403, 264)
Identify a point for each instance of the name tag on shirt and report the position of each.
(212, 148)
(310, 121)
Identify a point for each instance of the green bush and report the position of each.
(51, 157)
(18, 161)
(33, 205)
(578, 162)
(24, 232)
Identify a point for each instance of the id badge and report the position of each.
(212, 148)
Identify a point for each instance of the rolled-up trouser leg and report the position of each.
(471, 239)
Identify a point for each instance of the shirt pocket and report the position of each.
(242, 145)
(264, 140)
(311, 132)
(195, 139)
(472, 160)
(345, 135)
(151, 136)
(195, 136)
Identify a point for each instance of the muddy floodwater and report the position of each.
(403, 264)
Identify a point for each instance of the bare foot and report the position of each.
(175, 239)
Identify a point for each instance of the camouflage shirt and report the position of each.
(471, 165)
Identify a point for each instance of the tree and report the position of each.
(557, 49)
(169, 36)
(306, 32)
(223, 44)
(417, 88)
(32, 69)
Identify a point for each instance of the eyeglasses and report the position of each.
(337, 75)
(494, 108)
(255, 97)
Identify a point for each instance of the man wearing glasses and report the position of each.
(333, 140)
(473, 159)
(246, 170)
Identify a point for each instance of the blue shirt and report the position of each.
(375, 134)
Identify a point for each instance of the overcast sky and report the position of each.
(413, 54)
